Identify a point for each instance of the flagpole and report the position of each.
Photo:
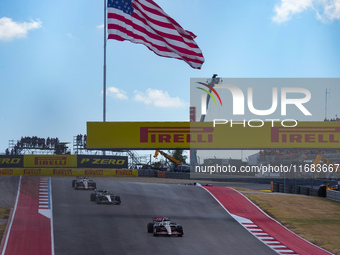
(104, 72)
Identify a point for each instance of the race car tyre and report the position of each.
(92, 196)
(322, 191)
(73, 183)
(180, 229)
(150, 227)
(117, 199)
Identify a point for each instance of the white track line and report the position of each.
(51, 220)
(247, 222)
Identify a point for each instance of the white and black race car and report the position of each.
(83, 182)
(104, 197)
(164, 226)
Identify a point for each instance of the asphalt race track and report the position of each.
(83, 227)
(8, 189)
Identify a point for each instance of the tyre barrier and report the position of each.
(147, 173)
(281, 187)
(322, 192)
(288, 188)
(313, 192)
(177, 175)
(304, 191)
(307, 188)
(275, 187)
(297, 191)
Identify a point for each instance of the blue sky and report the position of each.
(51, 59)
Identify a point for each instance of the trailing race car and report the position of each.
(163, 226)
(199, 184)
(103, 196)
(83, 183)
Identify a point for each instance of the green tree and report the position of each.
(178, 154)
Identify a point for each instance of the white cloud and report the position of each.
(331, 10)
(326, 10)
(100, 26)
(10, 29)
(117, 93)
(288, 8)
(159, 98)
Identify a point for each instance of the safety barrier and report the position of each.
(333, 195)
(177, 175)
(294, 189)
(308, 187)
(147, 173)
(161, 174)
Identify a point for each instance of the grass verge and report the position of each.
(4, 215)
(313, 218)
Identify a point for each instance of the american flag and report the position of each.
(144, 22)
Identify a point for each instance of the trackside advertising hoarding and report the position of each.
(69, 172)
(62, 161)
(102, 161)
(11, 161)
(50, 161)
(213, 135)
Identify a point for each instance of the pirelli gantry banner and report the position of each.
(209, 135)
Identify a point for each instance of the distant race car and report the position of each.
(103, 196)
(164, 226)
(83, 182)
(198, 184)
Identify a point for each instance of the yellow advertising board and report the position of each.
(54, 161)
(209, 135)
(69, 172)
(139, 135)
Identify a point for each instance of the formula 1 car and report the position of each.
(83, 183)
(103, 196)
(163, 226)
(198, 184)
